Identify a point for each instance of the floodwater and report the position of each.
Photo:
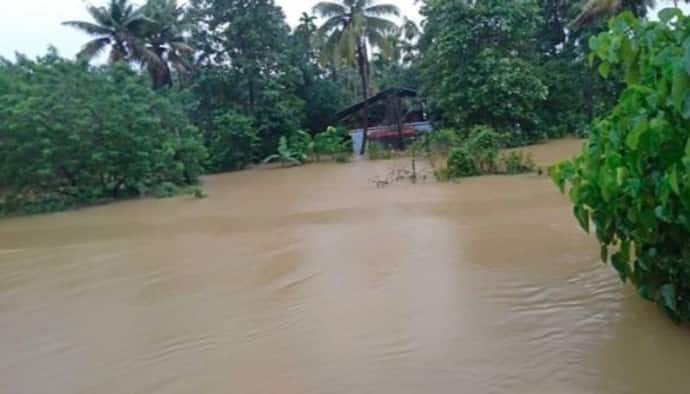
(312, 280)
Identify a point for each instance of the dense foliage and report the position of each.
(232, 141)
(475, 65)
(632, 180)
(217, 85)
(518, 69)
(479, 153)
(71, 134)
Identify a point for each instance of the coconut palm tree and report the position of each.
(120, 27)
(404, 42)
(165, 37)
(594, 9)
(151, 36)
(351, 29)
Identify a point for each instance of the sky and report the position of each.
(30, 26)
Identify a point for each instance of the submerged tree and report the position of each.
(352, 28)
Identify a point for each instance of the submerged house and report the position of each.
(395, 115)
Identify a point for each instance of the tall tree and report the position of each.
(165, 37)
(594, 9)
(477, 65)
(352, 28)
(245, 64)
(152, 36)
(119, 26)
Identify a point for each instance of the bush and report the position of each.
(232, 141)
(516, 162)
(73, 135)
(165, 190)
(483, 144)
(444, 139)
(302, 144)
(632, 180)
(461, 163)
(331, 142)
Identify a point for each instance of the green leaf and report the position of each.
(604, 69)
(644, 292)
(633, 138)
(680, 87)
(621, 264)
(604, 253)
(667, 294)
(582, 216)
(686, 57)
(667, 14)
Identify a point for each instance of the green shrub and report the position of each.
(483, 144)
(232, 141)
(444, 139)
(285, 154)
(302, 145)
(73, 135)
(331, 142)
(199, 193)
(461, 163)
(166, 190)
(517, 162)
(632, 179)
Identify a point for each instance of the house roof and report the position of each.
(399, 92)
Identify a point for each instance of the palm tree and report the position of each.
(165, 37)
(151, 36)
(351, 29)
(594, 9)
(404, 42)
(118, 26)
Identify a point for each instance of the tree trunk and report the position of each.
(399, 122)
(363, 74)
(252, 98)
(161, 73)
(589, 96)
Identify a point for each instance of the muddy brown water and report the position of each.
(312, 280)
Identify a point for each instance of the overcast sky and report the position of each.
(30, 26)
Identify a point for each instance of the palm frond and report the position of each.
(327, 9)
(336, 22)
(180, 47)
(93, 48)
(88, 27)
(594, 9)
(144, 55)
(382, 10)
(101, 16)
(380, 24)
(380, 41)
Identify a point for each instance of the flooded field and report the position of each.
(312, 280)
